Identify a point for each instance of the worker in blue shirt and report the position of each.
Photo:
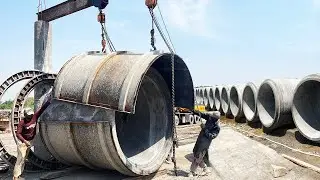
(209, 131)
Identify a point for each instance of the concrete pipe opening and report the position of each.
(236, 101)
(211, 98)
(274, 102)
(305, 109)
(225, 99)
(206, 97)
(249, 102)
(202, 96)
(217, 98)
(117, 116)
(266, 104)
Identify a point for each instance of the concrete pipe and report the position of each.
(198, 99)
(206, 97)
(117, 113)
(225, 100)
(305, 109)
(217, 97)
(211, 98)
(249, 103)
(274, 102)
(201, 94)
(236, 101)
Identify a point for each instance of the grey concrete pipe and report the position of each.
(211, 98)
(249, 103)
(225, 100)
(197, 95)
(201, 94)
(115, 111)
(236, 101)
(305, 109)
(217, 98)
(274, 102)
(206, 97)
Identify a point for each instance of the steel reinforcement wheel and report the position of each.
(196, 119)
(18, 103)
(176, 119)
(4, 154)
(192, 120)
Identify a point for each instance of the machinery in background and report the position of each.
(185, 116)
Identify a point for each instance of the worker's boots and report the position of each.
(206, 171)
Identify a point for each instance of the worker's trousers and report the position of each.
(22, 150)
(198, 161)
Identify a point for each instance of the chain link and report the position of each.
(173, 116)
(174, 135)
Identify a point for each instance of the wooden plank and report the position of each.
(63, 9)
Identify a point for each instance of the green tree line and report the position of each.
(9, 103)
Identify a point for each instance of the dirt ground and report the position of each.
(234, 154)
(288, 136)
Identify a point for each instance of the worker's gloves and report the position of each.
(27, 143)
(196, 112)
(202, 126)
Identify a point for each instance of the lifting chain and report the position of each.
(104, 35)
(175, 139)
(151, 4)
(102, 20)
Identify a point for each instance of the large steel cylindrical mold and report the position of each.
(274, 102)
(305, 108)
(236, 101)
(217, 98)
(249, 103)
(225, 100)
(115, 111)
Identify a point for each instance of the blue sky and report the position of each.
(222, 41)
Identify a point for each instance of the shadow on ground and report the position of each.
(299, 137)
(279, 132)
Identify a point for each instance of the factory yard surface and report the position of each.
(234, 155)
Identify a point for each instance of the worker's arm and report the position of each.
(40, 111)
(19, 131)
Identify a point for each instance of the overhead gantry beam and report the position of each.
(64, 9)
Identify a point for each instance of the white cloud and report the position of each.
(189, 15)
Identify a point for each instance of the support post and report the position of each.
(42, 62)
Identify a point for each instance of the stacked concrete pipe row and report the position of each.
(273, 102)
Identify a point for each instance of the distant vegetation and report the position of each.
(8, 104)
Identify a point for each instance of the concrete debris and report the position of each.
(278, 171)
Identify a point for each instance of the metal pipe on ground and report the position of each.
(236, 101)
(249, 103)
(117, 113)
(305, 108)
(225, 100)
(217, 98)
(274, 102)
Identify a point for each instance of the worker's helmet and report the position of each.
(28, 113)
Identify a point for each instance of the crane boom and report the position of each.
(69, 7)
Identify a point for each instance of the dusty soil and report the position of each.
(288, 136)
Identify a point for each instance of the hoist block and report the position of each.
(114, 111)
(101, 4)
